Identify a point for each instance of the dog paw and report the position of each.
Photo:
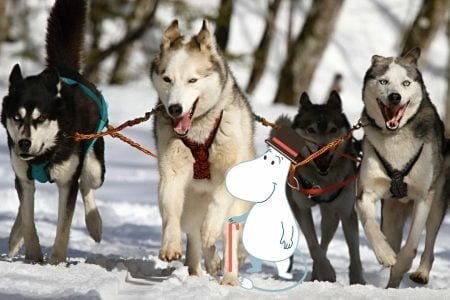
(34, 256)
(56, 259)
(213, 266)
(170, 251)
(94, 225)
(323, 271)
(419, 277)
(195, 271)
(229, 279)
(385, 255)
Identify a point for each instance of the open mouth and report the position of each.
(392, 114)
(182, 125)
(26, 156)
(322, 162)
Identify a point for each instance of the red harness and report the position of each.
(200, 152)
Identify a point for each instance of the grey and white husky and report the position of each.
(319, 125)
(402, 165)
(205, 128)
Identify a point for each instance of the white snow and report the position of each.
(125, 264)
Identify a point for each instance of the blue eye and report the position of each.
(192, 80)
(17, 118)
(406, 83)
(383, 81)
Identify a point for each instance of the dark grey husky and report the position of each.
(319, 125)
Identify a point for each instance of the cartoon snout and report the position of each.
(250, 181)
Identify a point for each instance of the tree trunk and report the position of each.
(447, 115)
(223, 23)
(3, 21)
(431, 16)
(301, 63)
(261, 53)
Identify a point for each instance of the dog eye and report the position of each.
(167, 79)
(406, 83)
(17, 118)
(333, 130)
(41, 119)
(310, 130)
(192, 80)
(383, 81)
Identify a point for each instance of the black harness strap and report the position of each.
(306, 184)
(399, 188)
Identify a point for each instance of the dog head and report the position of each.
(30, 112)
(393, 89)
(319, 125)
(188, 75)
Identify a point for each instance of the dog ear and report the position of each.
(412, 56)
(204, 39)
(171, 34)
(51, 78)
(304, 102)
(16, 76)
(378, 59)
(334, 101)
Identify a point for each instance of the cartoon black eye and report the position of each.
(406, 83)
(265, 157)
(192, 80)
(167, 79)
(272, 162)
(333, 130)
(310, 130)
(383, 81)
(17, 118)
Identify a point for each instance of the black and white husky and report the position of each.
(402, 164)
(41, 114)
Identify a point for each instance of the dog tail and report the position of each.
(65, 34)
(282, 120)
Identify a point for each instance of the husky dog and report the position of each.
(205, 129)
(402, 165)
(41, 114)
(319, 125)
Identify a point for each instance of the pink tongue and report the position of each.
(182, 125)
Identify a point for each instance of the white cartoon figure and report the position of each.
(270, 232)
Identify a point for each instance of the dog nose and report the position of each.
(175, 110)
(24, 145)
(394, 98)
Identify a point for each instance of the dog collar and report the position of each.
(399, 188)
(200, 152)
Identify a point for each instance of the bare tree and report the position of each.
(262, 51)
(223, 23)
(431, 17)
(97, 56)
(304, 57)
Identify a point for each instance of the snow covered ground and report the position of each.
(125, 264)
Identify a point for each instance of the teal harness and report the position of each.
(40, 172)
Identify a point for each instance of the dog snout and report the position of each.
(394, 98)
(175, 110)
(24, 145)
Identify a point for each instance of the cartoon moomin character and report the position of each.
(270, 233)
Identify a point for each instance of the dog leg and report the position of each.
(351, 233)
(328, 226)
(366, 209)
(322, 269)
(408, 252)
(33, 249)
(434, 221)
(194, 254)
(171, 201)
(213, 263)
(67, 199)
(16, 235)
(394, 215)
(90, 179)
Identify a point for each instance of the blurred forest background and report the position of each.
(124, 35)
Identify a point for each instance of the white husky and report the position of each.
(205, 129)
